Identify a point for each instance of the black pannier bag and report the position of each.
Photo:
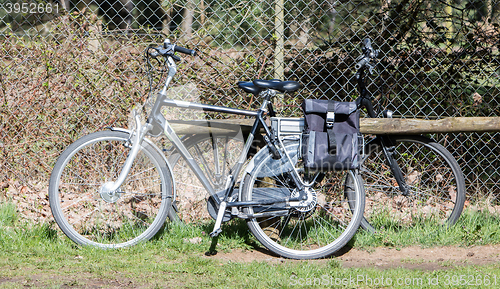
(331, 137)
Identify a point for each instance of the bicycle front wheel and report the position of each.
(87, 213)
(313, 228)
(436, 186)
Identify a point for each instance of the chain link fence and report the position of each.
(73, 67)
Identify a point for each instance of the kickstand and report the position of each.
(217, 230)
(211, 251)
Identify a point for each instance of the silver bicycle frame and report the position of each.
(157, 123)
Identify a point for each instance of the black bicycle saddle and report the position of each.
(283, 86)
(249, 87)
(258, 85)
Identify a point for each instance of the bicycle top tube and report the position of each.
(265, 88)
(207, 107)
(257, 87)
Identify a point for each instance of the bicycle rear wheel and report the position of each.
(314, 228)
(89, 215)
(435, 182)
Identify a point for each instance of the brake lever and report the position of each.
(154, 53)
(371, 67)
(174, 57)
(374, 55)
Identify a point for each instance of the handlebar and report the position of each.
(168, 49)
(184, 50)
(368, 55)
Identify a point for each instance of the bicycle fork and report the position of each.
(110, 191)
(388, 148)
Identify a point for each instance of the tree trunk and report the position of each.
(489, 11)
(384, 11)
(187, 24)
(202, 9)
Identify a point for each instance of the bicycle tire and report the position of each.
(314, 229)
(205, 149)
(89, 216)
(434, 179)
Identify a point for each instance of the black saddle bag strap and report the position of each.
(330, 120)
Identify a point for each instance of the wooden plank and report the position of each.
(367, 125)
(421, 126)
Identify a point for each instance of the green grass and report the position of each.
(8, 214)
(473, 228)
(40, 256)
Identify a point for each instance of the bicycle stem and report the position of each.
(172, 70)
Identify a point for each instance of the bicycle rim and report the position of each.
(90, 216)
(434, 179)
(315, 229)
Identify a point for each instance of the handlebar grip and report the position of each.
(367, 46)
(184, 50)
(367, 43)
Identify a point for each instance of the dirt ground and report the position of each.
(428, 259)
(413, 258)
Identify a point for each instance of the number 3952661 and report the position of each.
(31, 8)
